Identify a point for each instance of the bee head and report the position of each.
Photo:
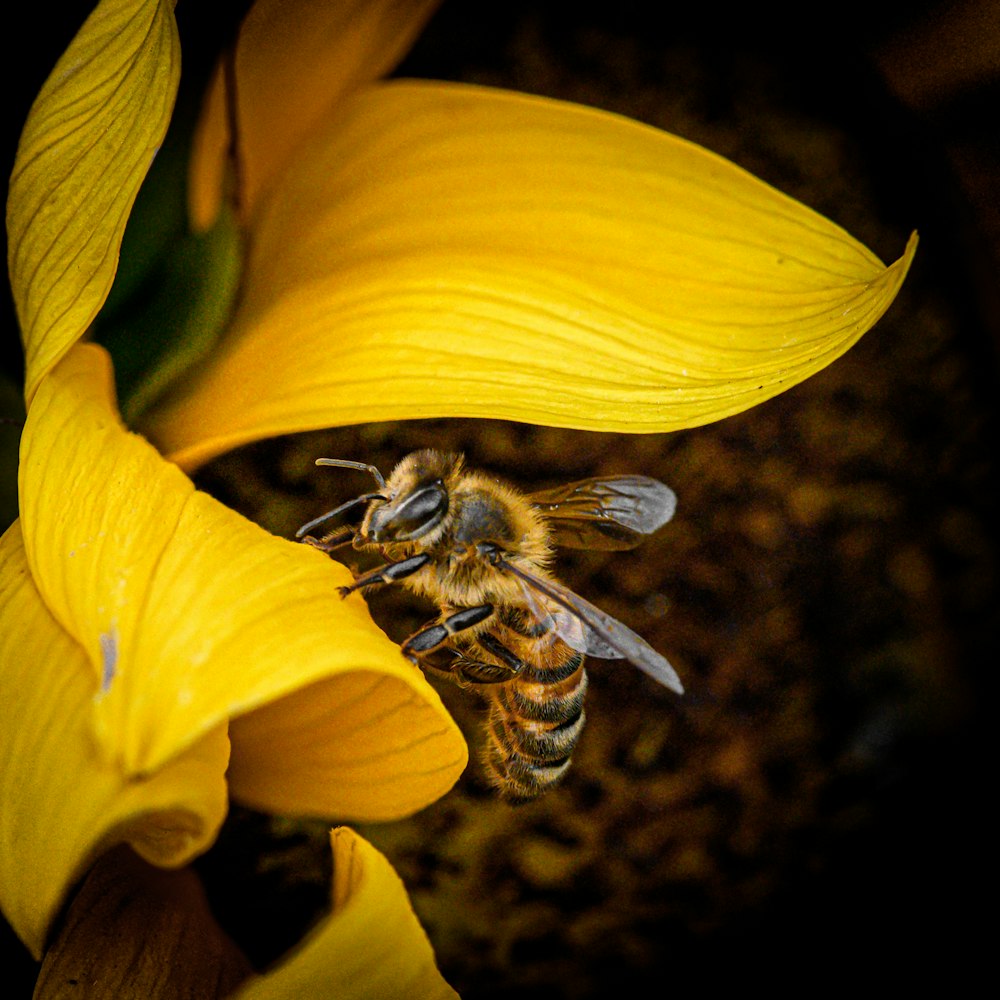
(416, 498)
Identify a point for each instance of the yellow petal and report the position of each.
(446, 250)
(61, 803)
(191, 615)
(295, 61)
(87, 144)
(97, 505)
(370, 946)
(359, 746)
(135, 932)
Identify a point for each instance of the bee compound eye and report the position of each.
(414, 516)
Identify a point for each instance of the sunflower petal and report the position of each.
(86, 146)
(295, 61)
(190, 615)
(61, 803)
(370, 946)
(447, 250)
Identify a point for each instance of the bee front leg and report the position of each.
(430, 637)
(332, 541)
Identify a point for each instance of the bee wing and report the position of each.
(609, 512)
(587, 629)
(563, 623)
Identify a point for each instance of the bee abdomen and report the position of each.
(551, 675)
(533, 729)
(546, 744)
(533, 702)
(519, 780)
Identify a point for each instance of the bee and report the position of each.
(481, 551)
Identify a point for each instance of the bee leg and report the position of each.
(476, 672)
(511, 665)
(388, 573)
(458, 667)
(464, 669)
(445, 661)
(332, 541)
(439, 632)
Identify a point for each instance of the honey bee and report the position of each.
(481, 551)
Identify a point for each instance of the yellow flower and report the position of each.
(160, 651)
(420, 249)
(415, 249)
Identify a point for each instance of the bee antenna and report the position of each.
(346, 463)
(364, 498)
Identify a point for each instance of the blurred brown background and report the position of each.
(815, 805)
(827, 589)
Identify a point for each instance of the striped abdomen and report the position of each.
(534, 723)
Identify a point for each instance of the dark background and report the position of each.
(815, 806)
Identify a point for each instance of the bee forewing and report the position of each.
(566, 625)
(612, 512)
(579, 636)
(639, 653)
(587, 629)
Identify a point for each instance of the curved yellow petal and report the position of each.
(447, 250)
(370, 946)
(191, 614)
(359, 746)
(85, 149)
(61, 802)
(295, 61)
(98, 505)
